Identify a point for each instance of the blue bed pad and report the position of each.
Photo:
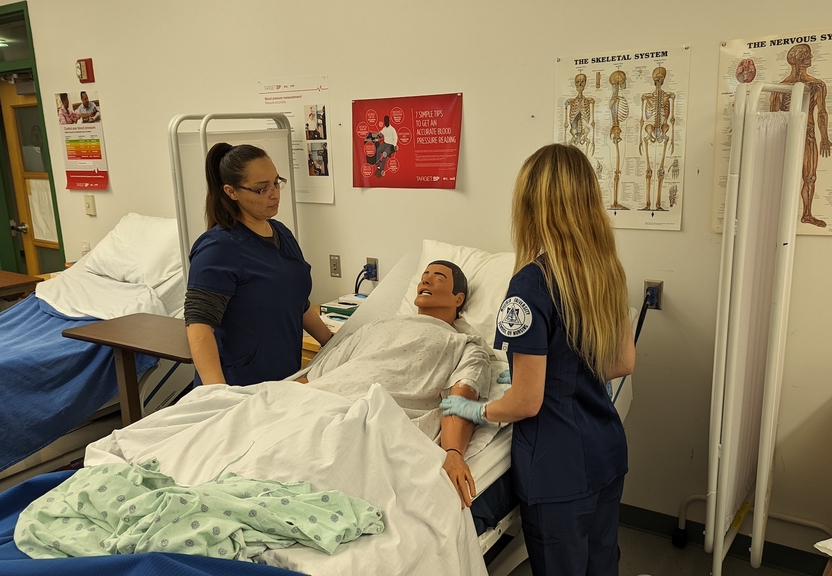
(13, 562)
(48, 384)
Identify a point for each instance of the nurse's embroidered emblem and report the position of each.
(514, 317)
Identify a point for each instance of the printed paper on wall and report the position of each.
(409, 142)
(627, 111)
(303, 101)
(782, 59)
(85, 158)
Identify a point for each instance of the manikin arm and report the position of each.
(455, 435)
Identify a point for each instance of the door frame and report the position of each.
(28, 66)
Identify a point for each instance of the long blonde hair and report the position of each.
(559, 222)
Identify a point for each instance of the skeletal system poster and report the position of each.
(782, 59)
(626, 110)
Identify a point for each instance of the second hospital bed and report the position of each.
(59, 394)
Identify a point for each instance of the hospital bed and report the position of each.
(58, 395)
(367, 449)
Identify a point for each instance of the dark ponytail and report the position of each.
(226, 164)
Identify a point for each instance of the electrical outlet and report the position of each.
(658, 285)
(334, 265)
(374, 262)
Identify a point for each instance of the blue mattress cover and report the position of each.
(49, 384)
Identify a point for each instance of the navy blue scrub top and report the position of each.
(261, 332)
(575, 446)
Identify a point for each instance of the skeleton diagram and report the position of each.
(619, 110)
(579, 128)
(674, 169)
(800, 58)
(658, 117)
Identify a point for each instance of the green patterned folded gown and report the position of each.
(124, 509)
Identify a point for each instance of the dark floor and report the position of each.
(650, 555)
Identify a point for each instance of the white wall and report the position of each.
(155, 59)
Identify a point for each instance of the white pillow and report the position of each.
(139, 250)
(488, 277)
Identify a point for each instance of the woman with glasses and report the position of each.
(247, 302)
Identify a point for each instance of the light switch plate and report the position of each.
(89, 204)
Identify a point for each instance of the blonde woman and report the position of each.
(565, 326)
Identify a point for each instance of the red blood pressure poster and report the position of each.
(409, 142)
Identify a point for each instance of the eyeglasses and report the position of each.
(281, 182)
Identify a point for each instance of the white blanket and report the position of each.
(287, 431)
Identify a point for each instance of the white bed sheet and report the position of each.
(288, 431)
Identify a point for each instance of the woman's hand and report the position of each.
(464, 408)
(460, 476)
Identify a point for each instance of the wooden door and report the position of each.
(25, 138)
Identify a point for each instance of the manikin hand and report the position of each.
(464, 408)
(460, 476)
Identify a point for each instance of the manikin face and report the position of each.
(436, 289)
(260, 173)
(85, 100)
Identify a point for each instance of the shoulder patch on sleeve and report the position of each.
(514, 317)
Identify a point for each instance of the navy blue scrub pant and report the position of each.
(574, 538)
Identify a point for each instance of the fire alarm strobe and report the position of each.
(83, 69)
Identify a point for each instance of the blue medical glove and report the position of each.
(464, 408)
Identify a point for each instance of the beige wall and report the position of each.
(155, 59)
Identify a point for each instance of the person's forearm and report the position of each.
(205, 353)
(627, 362)
(510, 408)
(456, 431)
(313, 324)
(525, 397)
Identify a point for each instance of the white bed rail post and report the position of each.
(281, 122)
(179, 185)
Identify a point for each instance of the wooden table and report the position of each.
(12, 283)
(159, 336)
(308, 351)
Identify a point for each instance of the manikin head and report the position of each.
(618, 78)
(85, 100)
(442, 291)
(580, 82)
(659, 74)
(800, 55)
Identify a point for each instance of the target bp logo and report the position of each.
(514, 317)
